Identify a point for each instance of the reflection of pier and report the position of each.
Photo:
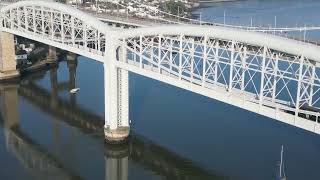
(73, 115)
(155, 158)
(151, 156)
(57, 107)
(38, 163)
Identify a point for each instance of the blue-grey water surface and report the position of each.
(265, 13)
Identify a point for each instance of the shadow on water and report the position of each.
(41, 163)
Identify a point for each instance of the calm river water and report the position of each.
(46, 133)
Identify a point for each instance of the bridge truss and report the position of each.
(258, 76)
(60, 26)
(269, 75)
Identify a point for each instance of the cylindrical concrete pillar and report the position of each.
(71, 57)
(52, 53)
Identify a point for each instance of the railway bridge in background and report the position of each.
(270, 75)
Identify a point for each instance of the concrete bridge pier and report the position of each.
(116, 90)
(71, 57)
(8, 69)
(52, 54)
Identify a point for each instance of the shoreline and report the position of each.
(200, 3)
(207, 3)
(215, 1)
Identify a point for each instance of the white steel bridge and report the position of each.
(266, 74)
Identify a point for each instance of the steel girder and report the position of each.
(57, 25)
(269, 75)
(285, 84)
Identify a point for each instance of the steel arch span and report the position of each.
(57, 25)
(269, 75)
(272, 76)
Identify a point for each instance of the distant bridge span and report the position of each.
(269, 75)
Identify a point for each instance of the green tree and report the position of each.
(175, 7)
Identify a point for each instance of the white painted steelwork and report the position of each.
(175, 19)
(272, 76)
(269, 75)
(57, 25)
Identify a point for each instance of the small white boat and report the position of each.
(75, 90)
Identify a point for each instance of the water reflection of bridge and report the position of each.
(151, 156)
(31, 155)
(50, 103)
(34, 158)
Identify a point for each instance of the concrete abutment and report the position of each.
(8, 64)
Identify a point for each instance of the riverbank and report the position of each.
(215, 1)
(39, 60)
(208, 3)
(39, 66)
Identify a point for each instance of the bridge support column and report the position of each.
(116, 100)
(71, 57)
(7, 57)
(52, 53)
